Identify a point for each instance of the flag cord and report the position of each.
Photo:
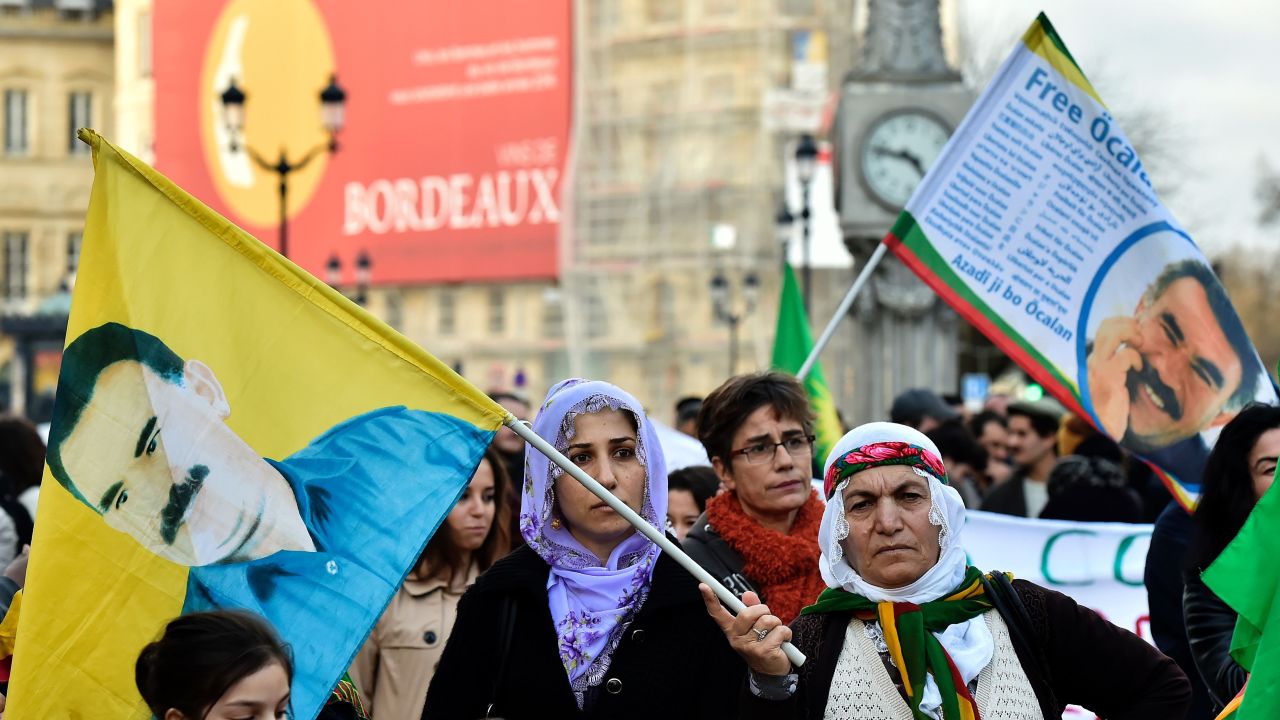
(863, 276)
(730, 600)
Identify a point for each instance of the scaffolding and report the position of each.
(670, 142)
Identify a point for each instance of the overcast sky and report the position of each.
(1204, 71)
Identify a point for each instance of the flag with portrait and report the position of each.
(228, 432)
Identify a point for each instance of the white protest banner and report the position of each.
(1099, 565)
(1039, 225)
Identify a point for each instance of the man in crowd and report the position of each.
(921, 409)
(762, 533)
(1032, 445)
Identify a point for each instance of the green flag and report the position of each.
(791, 345)
(1247, 578)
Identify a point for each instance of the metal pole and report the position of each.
(808, 267)
(730, 600)
(733, 344)
(284, 206)
(845, 304)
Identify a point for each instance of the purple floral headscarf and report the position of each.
(590, 605)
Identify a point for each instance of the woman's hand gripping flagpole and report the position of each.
(729, 599)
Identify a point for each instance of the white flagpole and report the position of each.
(793, 654)
(841, 311)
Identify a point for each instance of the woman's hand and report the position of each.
(763, 655)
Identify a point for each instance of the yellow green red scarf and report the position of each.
(908, 631)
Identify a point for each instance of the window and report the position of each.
(15, 122)
(497, 310)
(664, 96)
(15, 265)
(79, 112)
(720, 7)
(603, 16)
(393, 311)
(662, 11)
(719, 90)
(597, 324)
(74, 240)
(447, 318)
(144, 44)
(552, 313)
(797, 7)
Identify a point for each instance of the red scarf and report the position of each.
(784, 567)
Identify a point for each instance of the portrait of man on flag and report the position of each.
(140, 437)
(1167, 358)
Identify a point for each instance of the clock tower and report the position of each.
(897, 109)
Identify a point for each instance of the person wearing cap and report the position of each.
(908, 630)
(921, 409)
(1033, 450)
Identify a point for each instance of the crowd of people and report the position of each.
(535, 599)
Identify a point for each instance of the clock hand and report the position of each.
(902, 155)
(915, 161)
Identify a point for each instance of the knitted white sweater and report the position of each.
(861, 687)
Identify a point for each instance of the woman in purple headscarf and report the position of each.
(589, 619)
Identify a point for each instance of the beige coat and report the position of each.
(395, 666)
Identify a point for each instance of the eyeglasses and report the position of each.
(798, 447)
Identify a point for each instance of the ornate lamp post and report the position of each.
(728, 313)
(806, 164)
(333, 101)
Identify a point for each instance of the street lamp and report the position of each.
(333, 113)
(364, 275)
(722, 300)
(806, 164)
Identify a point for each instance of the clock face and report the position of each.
(898, 150)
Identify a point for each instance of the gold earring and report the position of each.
(555, 523)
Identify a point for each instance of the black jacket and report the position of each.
(1082, 659)
(709, 550)
(1007, 498)
(1210, 624)
(672, 662)
(1166, 558)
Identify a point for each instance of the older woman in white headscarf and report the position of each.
(906, 629)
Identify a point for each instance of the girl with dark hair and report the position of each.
(688, 490)
(1239, 470)
(398, 660)
(216, 666)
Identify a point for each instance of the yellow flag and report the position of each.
(228, 432)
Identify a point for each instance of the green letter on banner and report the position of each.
(1044, 557)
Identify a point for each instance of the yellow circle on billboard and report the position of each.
(278, 52)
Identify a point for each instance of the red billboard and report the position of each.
(451, 158)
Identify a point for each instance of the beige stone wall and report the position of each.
(44, 192)
(492, 332)
(135, 89)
